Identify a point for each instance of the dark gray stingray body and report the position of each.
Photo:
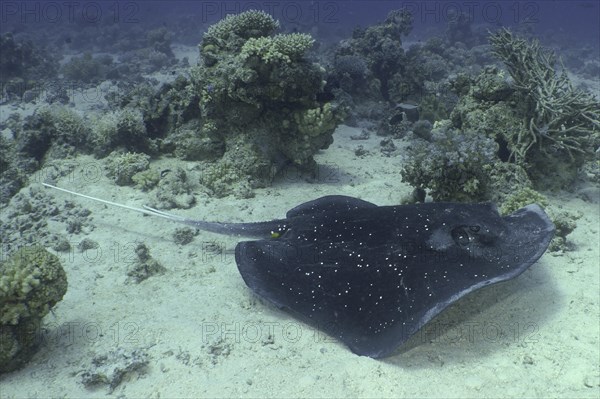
(371, 275)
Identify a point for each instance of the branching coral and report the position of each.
(452, 166)
(279, 48)
(557, 116)
(233, 31)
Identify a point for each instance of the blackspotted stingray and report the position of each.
(372, 276)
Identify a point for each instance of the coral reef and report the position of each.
(561, 124)
(233, 31)
(51, 132)
(226, 178)
(160, 40)
(24, 66)
(502, 110)
(452, 166)
(259, 102)
(87, 69)
(32, 281)
(286, 48)
(15, 169)
(486, 105)
(253, 105)
(380, 48)
(123, 129)
(122, 167)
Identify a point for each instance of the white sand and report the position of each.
(537, 335)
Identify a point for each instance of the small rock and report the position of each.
(360, 151)
(110, 369)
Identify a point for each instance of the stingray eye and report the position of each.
(460, 236)
(474, 229)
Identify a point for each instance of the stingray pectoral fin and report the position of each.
(291, 276)
(329, 203)
(258, 269)
(531, 231)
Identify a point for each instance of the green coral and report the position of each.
(279, 48)
(453, 166)
(564, 221)
(315, 121)
(227, 177)
(252, 106)
(174, 191)
(122, 167)
(230, 34)
(506, 178)
(146, 180)
(522, 198)
(124, 128)
(432, 109)
(488, 107)
(198, 142)
(252, 23)
(52, 132)
(32, 281)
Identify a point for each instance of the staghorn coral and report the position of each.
(492, 105)
(557, 116)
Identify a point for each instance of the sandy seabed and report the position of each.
(207, 335)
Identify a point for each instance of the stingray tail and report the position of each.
(146, 211)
